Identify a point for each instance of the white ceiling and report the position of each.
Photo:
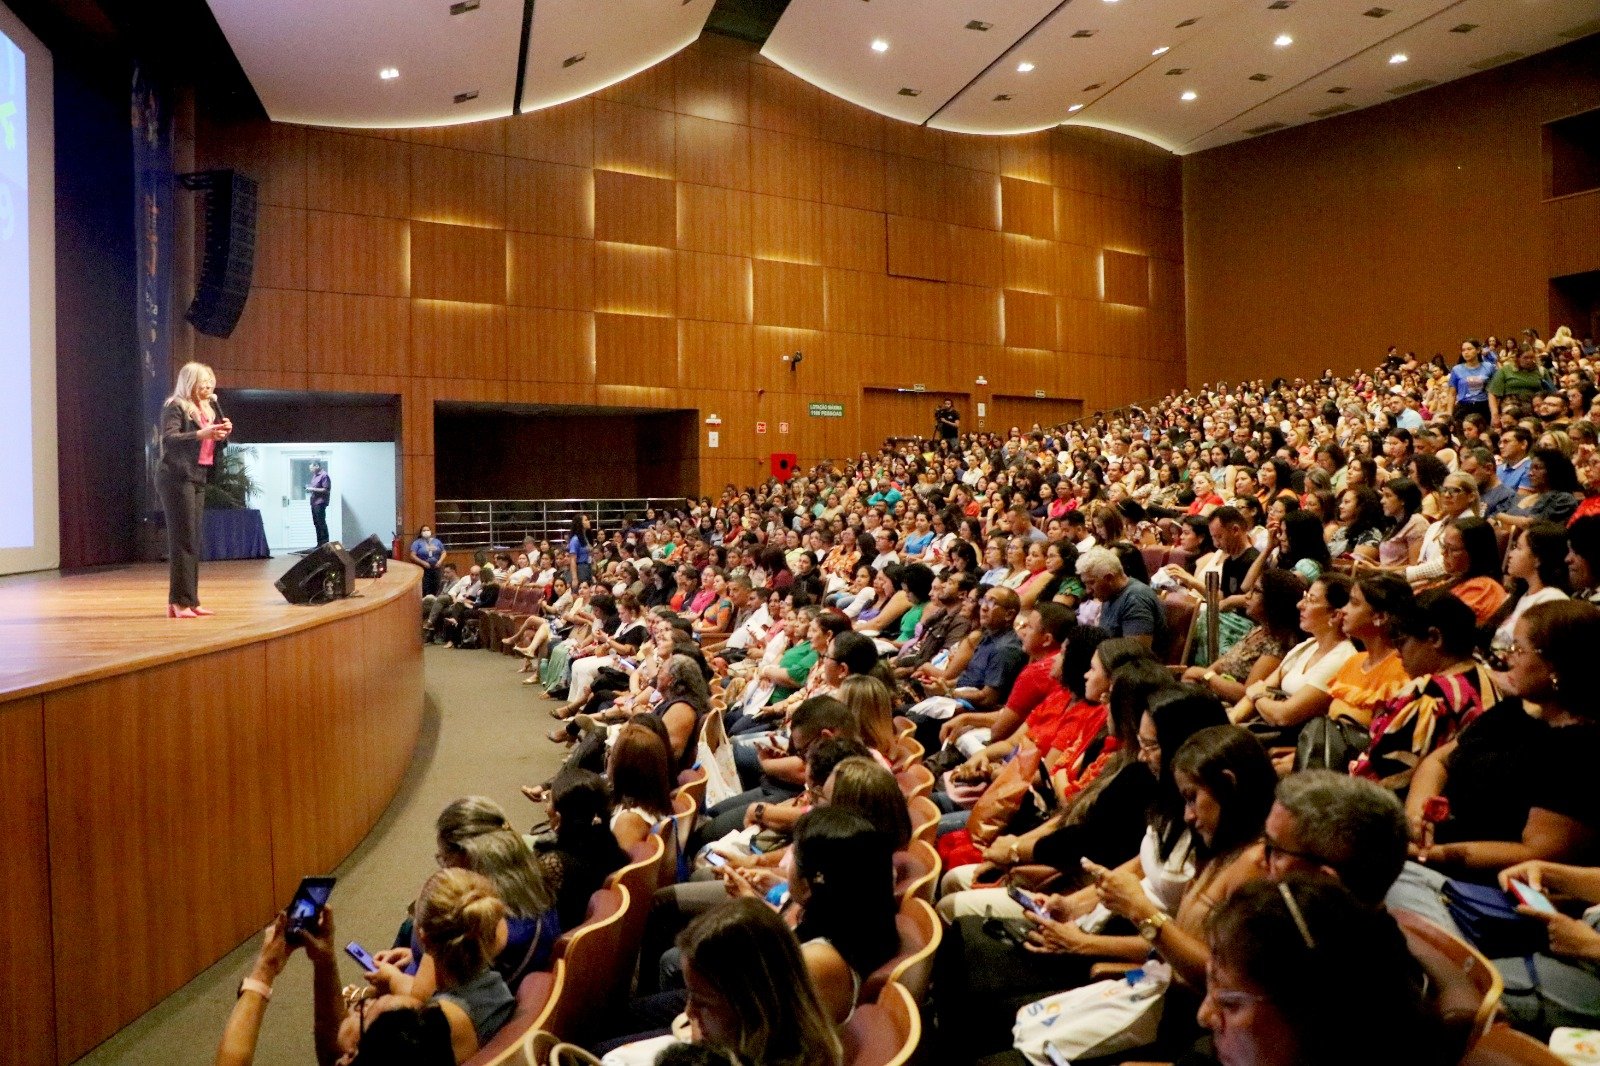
(1123, 86)
(317, 62)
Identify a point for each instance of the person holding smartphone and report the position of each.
(192, 435)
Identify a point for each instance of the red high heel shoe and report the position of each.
(201, 610)
(174, 611)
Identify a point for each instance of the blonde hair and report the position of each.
(189, 378)
(872, 704)
(458, 922)
(474, 833)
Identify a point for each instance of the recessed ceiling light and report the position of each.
(907, 91)
(389, 73)
(1075, 107)
(470, 94)
(980, 26)
(880, 45)
(1283, 40)
(1163, 50)
(1002, 97)
(1190, 95)
(572, 61)
(1398, 58)
(1083, 33)
(1024, 67)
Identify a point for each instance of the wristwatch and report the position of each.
(1150, 928)
(260, 988)
(760, 815)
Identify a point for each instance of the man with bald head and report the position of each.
(986, 682)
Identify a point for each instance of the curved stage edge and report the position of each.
(168, 782)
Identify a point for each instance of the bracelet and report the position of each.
(260, 988)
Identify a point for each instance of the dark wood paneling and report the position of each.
(27, 965)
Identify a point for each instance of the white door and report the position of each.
(294, 518)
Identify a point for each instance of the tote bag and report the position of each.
(1094, 1020)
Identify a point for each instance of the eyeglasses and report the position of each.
(1270, 847)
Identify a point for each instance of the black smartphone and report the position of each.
(1026, 901)
(309, 899)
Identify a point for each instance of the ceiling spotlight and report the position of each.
(389, 73)
(1024, 67)
(880, 45)
(1163, 50)
(1283, 40)
(1075, 107)
(1398, 58)
(1190, 95)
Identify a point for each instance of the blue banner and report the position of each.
(153, 195)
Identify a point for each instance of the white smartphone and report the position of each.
(1532, 897)
(716, 858)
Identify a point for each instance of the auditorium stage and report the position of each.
(169, 781)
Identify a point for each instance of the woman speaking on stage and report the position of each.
(193, 435)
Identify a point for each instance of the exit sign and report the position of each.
(826, 410)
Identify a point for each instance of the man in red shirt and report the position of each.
(1041, 629)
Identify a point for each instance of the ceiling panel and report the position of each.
(1504, 31)
(317, 63)
(616, 38)
(931, 51)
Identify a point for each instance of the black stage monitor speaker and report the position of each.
(372, 557)
(328, 573)
(230, 249)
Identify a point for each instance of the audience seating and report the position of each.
(924, 819)
(680, 825)
(640, 877)
(1468, 984)
(1504, 1046)
(537, 999)
(915, 781)
(920, 934)
(885, 1032)
(692, 783)
(595, 968)
(1182, 612)
(904, 726)
(922, 860)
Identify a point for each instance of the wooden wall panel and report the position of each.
(550, 345)
(130, 852)
(714, 220)
(1027, 207)
(636, 140)
(788, 294)
(27, 965)
(1127, 278)
(716, 287)
(458, 188)
(455, 340)
(1030, 320)
(918, 248)
(349, 334)
(713, 153)
(458, 263)
(636, 351)
(631, 279)
(549, 271)
(635, 209)
(664, 242)
(357, 253)
(549, 198)
(357, 175)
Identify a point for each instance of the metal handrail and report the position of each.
(503, 523)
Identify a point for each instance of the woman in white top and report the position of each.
(1297, 691)
(1458, 497)
(1194, 539)
(1538, 557)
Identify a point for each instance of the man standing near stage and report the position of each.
(947, 422)
(318, 492)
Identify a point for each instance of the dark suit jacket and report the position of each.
(180, 445)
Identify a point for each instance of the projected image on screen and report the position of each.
(16, 428)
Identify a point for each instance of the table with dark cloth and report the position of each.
(236, 533)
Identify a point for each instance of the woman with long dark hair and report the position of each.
(580, 540)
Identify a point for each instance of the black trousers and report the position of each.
(319, 519)
(184, 502)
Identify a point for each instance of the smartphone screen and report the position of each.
(1532, 897)
(716, 859)
(308, 901)
(360, 954)
(1026, 901)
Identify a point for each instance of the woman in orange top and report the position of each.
(1378, 603)
(1472, 565)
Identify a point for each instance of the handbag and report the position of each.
(1488, 919)
(1004, 796)
(1329, 744)
(1094, 1020)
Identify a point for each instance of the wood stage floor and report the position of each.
(63, 629)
